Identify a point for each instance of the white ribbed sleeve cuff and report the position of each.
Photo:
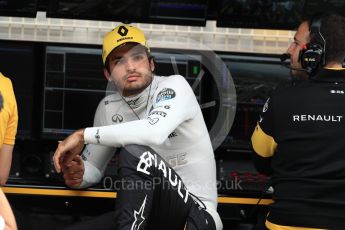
(91, 136)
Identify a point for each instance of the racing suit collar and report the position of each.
(330, 75)
(140, 99)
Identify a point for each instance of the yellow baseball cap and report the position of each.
(120, 35)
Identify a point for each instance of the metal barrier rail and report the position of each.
(93, 193)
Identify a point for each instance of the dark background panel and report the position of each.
(267, 14)
(18, 62)
(20, 8)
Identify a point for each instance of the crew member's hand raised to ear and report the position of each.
(68, 149)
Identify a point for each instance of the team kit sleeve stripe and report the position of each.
(263, 144)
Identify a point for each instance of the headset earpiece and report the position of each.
(312, 56)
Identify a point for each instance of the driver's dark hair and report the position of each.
(333, 31)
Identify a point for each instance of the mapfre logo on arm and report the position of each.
(165, 94)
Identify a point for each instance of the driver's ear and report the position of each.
(106, 74)
(152, 64)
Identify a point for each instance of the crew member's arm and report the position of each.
(5, 162)
(263, 142)
(6, 214)
(264, 147)
(6, 149)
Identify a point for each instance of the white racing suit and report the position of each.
(172, 125)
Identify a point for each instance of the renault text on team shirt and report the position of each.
(318, 117)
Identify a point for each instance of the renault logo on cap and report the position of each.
(117, 118)
(123, 31)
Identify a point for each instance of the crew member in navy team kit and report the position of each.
(166, 152)
(301, 132)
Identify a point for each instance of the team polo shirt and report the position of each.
(8, 112)
(302, 127)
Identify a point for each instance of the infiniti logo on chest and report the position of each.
(117, 118)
